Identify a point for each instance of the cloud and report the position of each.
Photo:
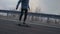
(6, 4)
(46, 6)
(1, 7)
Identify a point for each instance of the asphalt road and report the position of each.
(11, 27)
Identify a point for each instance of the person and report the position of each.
(24, 9)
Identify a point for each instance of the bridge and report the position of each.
(38, 22)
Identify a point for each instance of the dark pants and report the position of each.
(23, 11)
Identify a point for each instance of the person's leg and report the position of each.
(25, 15)
(21, 15)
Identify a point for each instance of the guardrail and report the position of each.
(33, 14)
(38, 15)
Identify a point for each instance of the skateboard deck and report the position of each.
(25, 25)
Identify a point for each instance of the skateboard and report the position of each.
(25, 25)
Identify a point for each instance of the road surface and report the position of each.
(11, 27)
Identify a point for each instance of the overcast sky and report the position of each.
(46, 6)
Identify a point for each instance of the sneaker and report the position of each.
(24, 23)
(19, 24)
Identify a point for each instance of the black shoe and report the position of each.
(24, 23)
(19, 24)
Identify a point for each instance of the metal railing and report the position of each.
(33, 14)
(48, 16)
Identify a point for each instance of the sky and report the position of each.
(45, 6)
